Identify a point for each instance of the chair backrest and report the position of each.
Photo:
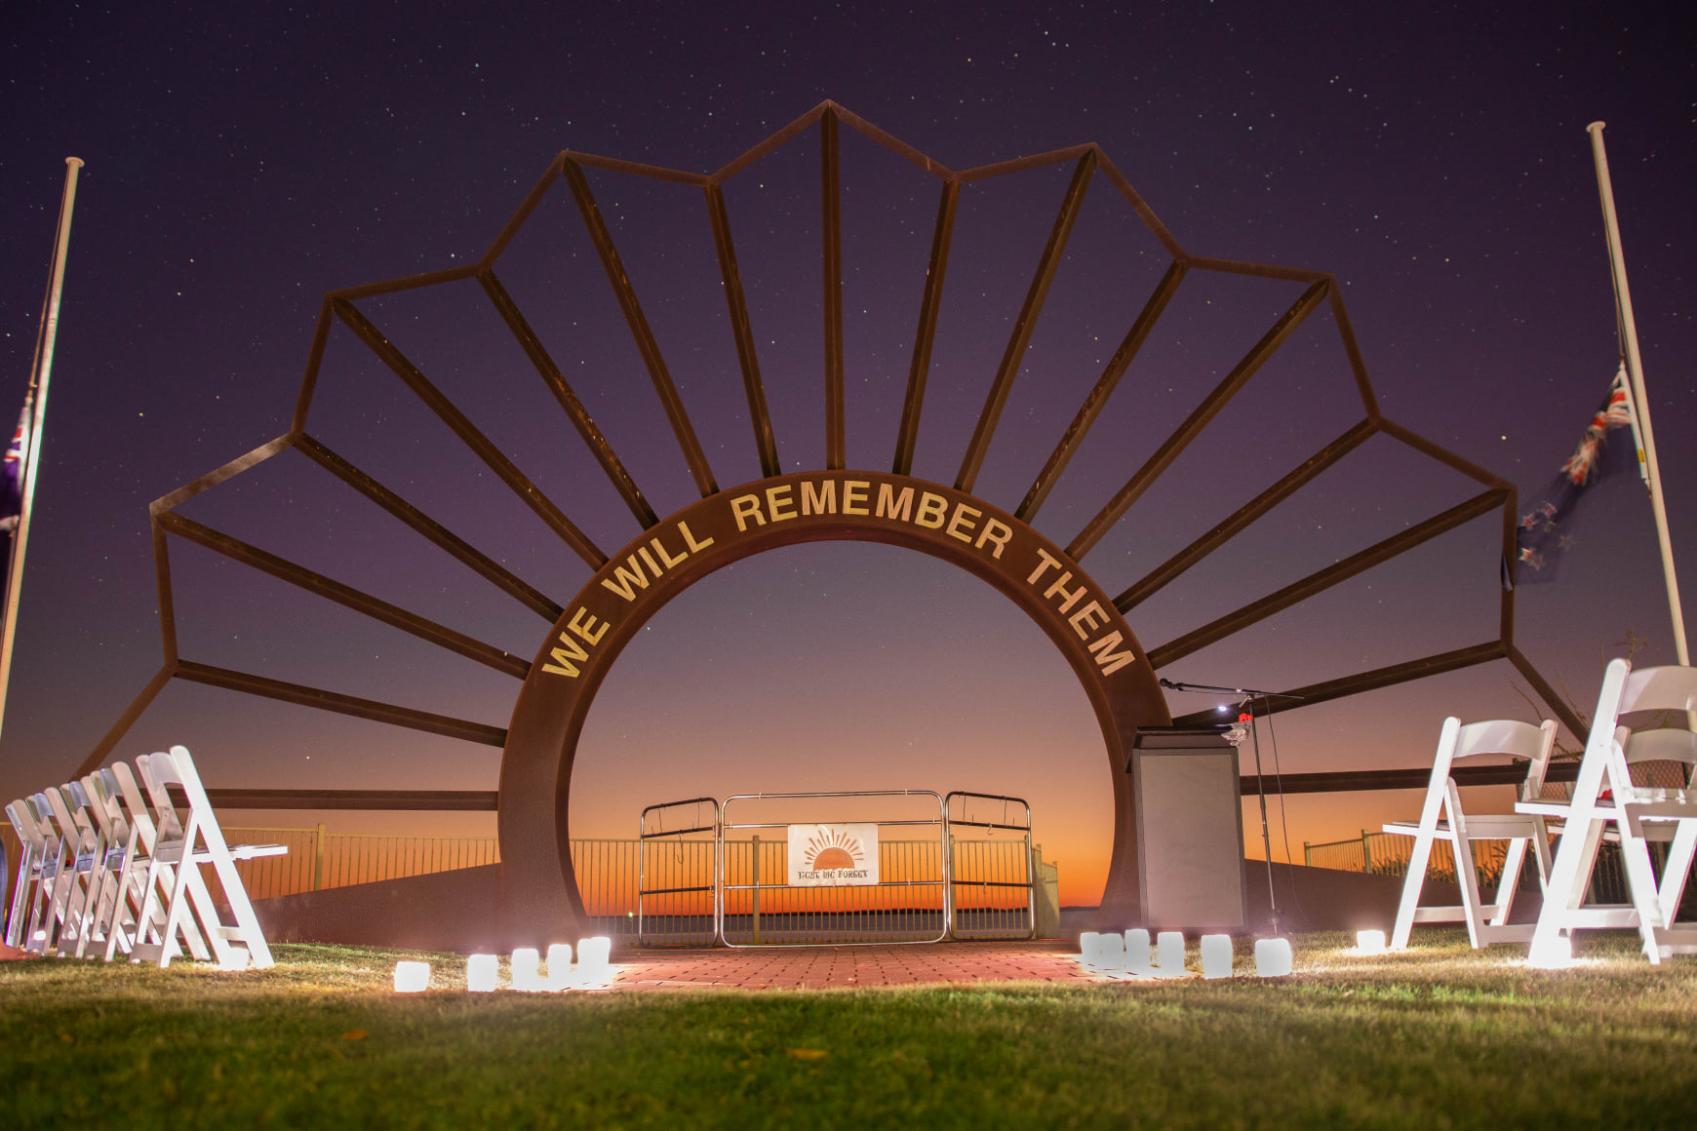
(1670, 688)
(1511, 738)
(158, 773)
(1664, 744)
(135, 805)
(22, 818)
(101, 789)
(77, 834)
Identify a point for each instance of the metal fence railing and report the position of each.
(607, 867)
(1386, 854)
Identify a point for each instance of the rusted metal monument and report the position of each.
(834, 502)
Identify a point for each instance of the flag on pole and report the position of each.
(12, 491)
(1546, 531)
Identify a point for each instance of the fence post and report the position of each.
(1307, 856)
(318, 857)
(1366, 853)
(756, 888)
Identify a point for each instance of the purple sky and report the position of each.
(239, 167)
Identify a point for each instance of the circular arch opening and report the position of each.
(848, 666)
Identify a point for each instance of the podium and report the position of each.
(1185, 785)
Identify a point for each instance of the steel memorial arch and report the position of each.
(833, 502)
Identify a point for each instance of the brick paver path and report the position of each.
(849, 967)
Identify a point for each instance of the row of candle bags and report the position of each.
(1130, 952)
(526, 970)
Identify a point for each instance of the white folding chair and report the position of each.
(26, 882)
(1611, 751)
(87, 810)
(42, 925)
(69, 909)
(149, 882)
(120, 899)
(1443, 817)
(189, 844)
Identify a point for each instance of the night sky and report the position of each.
(240, 164)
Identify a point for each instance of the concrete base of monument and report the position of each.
(461, 911)
(455, 911)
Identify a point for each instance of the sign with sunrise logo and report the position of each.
(833, 855)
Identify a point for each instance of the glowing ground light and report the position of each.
(526, 969)
(559, 966)
(1273, 958)
(1169, 954)
(1137, 958)
(594, 960)
(1216, 956)
(482, 973)
(412, 977)
(1369, 942)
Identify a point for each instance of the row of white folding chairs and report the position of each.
(109, 865)
(1606, 804)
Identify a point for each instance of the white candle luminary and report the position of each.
(1169, 954)
(526, 965)
(1272, 958)
(412, 977)
(1216, 956)
(482, 973)
(560, 972)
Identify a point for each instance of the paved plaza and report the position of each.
(850, 967)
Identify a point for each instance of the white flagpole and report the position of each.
(36, 398)
(1640, 401)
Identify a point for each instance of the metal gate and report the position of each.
(992, 891)
(677, 891)
(705, 877)
(909, 903)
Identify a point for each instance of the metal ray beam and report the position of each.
(1322, 692)
(1293, 481)
(1210, 407)
(345, 595)
(335, 701)
(926, 335)
(646, 343)
(1026, 323)
(551, 376)
(831, 225)
(1321, 580)
(1097, 399)
(742, 332)
(439, 535)
(481, 445)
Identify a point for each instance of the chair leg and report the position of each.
(1412, 882)
(1467, 879)
(1641, 885)
(1676, 873)
(14, 919)
(1508, 884)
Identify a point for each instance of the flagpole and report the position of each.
(1641, 402)
(36, 400)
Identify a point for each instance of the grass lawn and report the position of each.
(1437, 1037)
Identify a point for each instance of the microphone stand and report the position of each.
(1248, 696)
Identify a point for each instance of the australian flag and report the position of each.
(1546, 531)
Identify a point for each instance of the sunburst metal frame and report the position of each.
(1087, 161)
